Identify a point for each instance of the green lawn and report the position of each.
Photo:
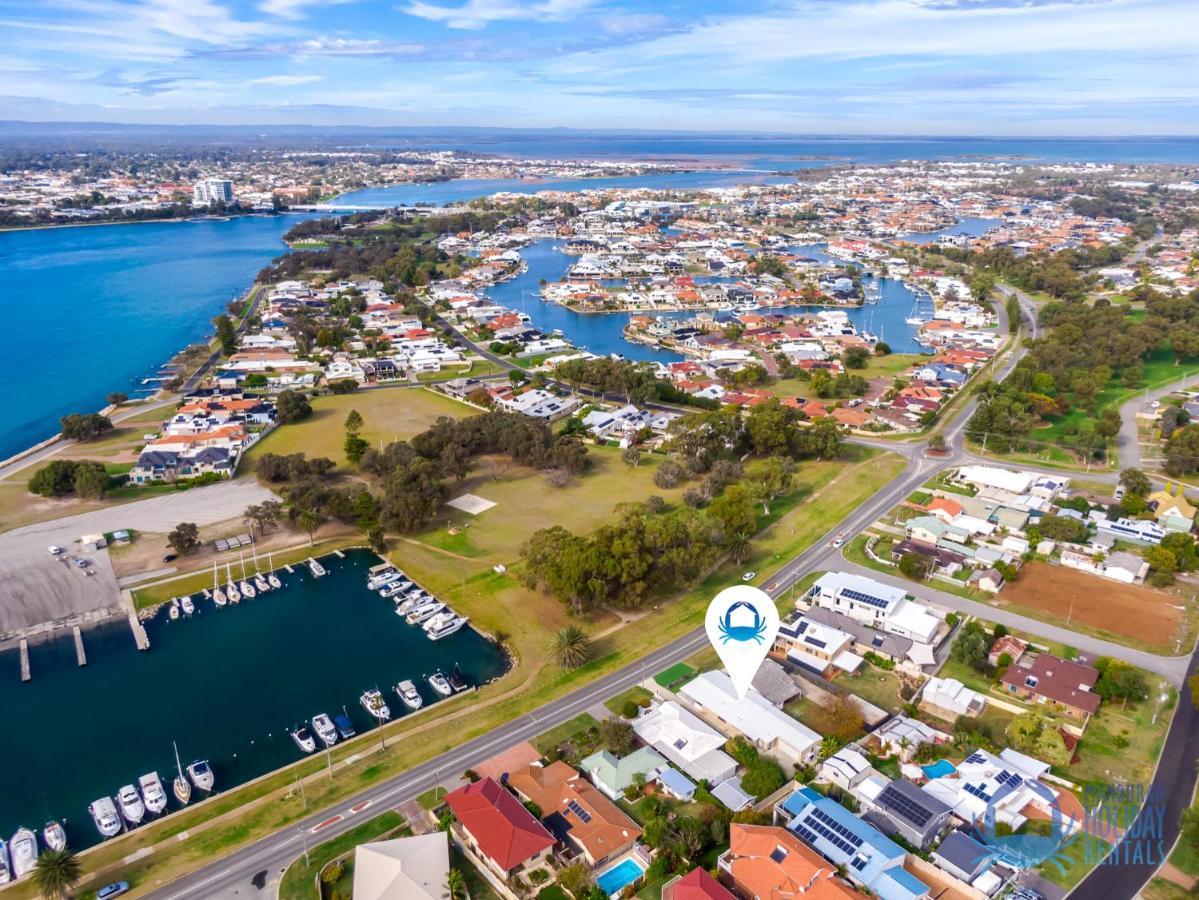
(1186, 856)
(636, 693)
(575, 731)
(1161, 889)
(874, 685)
(676, 673)
(298, 882)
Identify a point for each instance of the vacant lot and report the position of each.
(1122, 610)
(389, 414)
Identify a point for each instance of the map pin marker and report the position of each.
(742, 622)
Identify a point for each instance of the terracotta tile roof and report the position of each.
(504, 830)
(556, 786)
(697, 885)
(770, 862)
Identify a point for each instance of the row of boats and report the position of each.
(417, 606)
(233, 591)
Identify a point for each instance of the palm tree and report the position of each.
(739, 548)
(457, 886)
(310, 521)
(56, 872)
(571, 647)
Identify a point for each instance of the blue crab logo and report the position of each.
(742, 633)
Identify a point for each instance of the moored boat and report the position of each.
(325, 729)
(396, 587)
(303, 738)
(381, 576)
(315, 568)
(201, 774)
(427, 611)
(247, 590)
(5, 873)
(261, 584)
(457, 679)
(189, 606)
(411, 601)
(130, 802)
(372, 701)
(446, 628)
(104, 814)
(232, 593)
(345, 728)
(22, 850)
(54, 836)
(153, 794)
(180, 786)
(274, 581)
(173, 609)
(441, 684)
(408, 693)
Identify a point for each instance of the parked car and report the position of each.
(56, 550)
(112, 890)
(170, 557)
(81, 563)
(749, 576)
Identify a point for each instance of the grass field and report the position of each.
(389, 414)
(825, 494)
(299, 881)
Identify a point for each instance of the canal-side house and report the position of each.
(497, 829)
(582, 819)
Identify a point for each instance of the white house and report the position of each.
(876, 604)
(950, 696)
(687, 741)
(846, 768)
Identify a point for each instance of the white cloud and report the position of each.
(285, 80)
(474, 14)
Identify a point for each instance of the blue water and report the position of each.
(86, 311)
(226, 684)
(468, 188)
(940, 769)
(603, 333)
(619, 877)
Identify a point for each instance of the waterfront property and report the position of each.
(228, 685)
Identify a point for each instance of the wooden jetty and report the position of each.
(80, 653)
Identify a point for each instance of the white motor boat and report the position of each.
(441, 684)
(201, 775)
(262, 585)
(372, 701)
(173, 609)
(22, 849)
(104, 814)
(247, 590)
(130, 802)
(315, 568)
(189, 606)
(5, 874)
(428, 611)
(153, 794)
(383, 577)
(54, 836)
(396, 587)
(408, 693)
(304, 739)
(440, 619)
(445, 628)
(411, 601)
(325, 729)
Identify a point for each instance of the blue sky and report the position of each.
(1018, 67)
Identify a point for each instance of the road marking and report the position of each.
(361, 806)
(332, 820)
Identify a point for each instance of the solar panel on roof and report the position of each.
(815, 642)
(976, 758)
(978, 792)
(779, 854)
(905, 806)
(583, 815)
(868, 599)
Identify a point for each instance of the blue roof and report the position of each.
(676, 782)
(897, 883)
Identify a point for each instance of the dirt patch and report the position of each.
(1121, 609)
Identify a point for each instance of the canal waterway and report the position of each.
(603, 333)
(226, 684)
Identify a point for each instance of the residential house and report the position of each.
(765, 862)
(902, 736)
(407, 868)
(962, 856)
(687, 741)
(695, 885)
(613, 775)
(539, 404)
(875, 604)
(815, 647)
(1010, 645)
(903, 808)
(576, 812)
(1140, 531)
(1172, 511)
(900, 650)
(1062, 684)
(948, 698)
(770, 730)
(497, 828)
(989, 580)
(983, 784)
(846, 768)
(773, 683)
(869, 858)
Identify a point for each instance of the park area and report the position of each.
(1124, 612)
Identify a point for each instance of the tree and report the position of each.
(770, 479)
(354, 422)
(972, 644)
(1182, 451)
(914, 565)
(309, 520)
(570, 648)
(354, 447)
(763, 777)
(84, 426)
(91, 481)
(631, 457)
(576, 879)
(740, 549)
(456, 885)
(882, 348)
(669, 474)
(56, 873)
(1119, 680)
(264, 516)
(616, 735)
(116, 398)
(839, 717)
(226, 334)
(292, 406)
(734, 512)
(855, 357)
(1135, 482)
(1163, 563)
(185, 538)
(343, 386)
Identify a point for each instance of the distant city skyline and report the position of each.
(817, 67)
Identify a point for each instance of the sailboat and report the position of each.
(247, 589)
(218, 596)
(181, 786)
(271, 577)
(260, 581)
(230, 588)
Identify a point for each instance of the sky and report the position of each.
(922, 67)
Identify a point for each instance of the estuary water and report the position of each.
(226, 684)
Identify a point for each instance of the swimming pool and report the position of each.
(939, 769)
(619, 876)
